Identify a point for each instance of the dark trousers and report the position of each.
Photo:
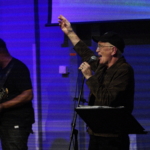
(109, 143)
(14, 138)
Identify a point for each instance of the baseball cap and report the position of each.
(112, 38)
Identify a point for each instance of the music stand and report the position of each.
(104, 119)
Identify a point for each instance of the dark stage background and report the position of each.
(26, 27)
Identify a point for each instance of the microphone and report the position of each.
(93, 58)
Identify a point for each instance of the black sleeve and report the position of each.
(23, 81)
(19, 78)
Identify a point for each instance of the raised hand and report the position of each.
(65, 25)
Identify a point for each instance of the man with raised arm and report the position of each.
(112, 83)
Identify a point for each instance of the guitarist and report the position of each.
(16, 111)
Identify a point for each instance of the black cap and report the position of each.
(2, 44)
(112, 38)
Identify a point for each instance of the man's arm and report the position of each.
(80, 47)
(19, 100)
(67, 29)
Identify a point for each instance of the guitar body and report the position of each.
(3, 93)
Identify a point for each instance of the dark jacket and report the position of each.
(109, 87)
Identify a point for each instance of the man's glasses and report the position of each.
(101, 46)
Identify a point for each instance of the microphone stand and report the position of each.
(74, 131)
